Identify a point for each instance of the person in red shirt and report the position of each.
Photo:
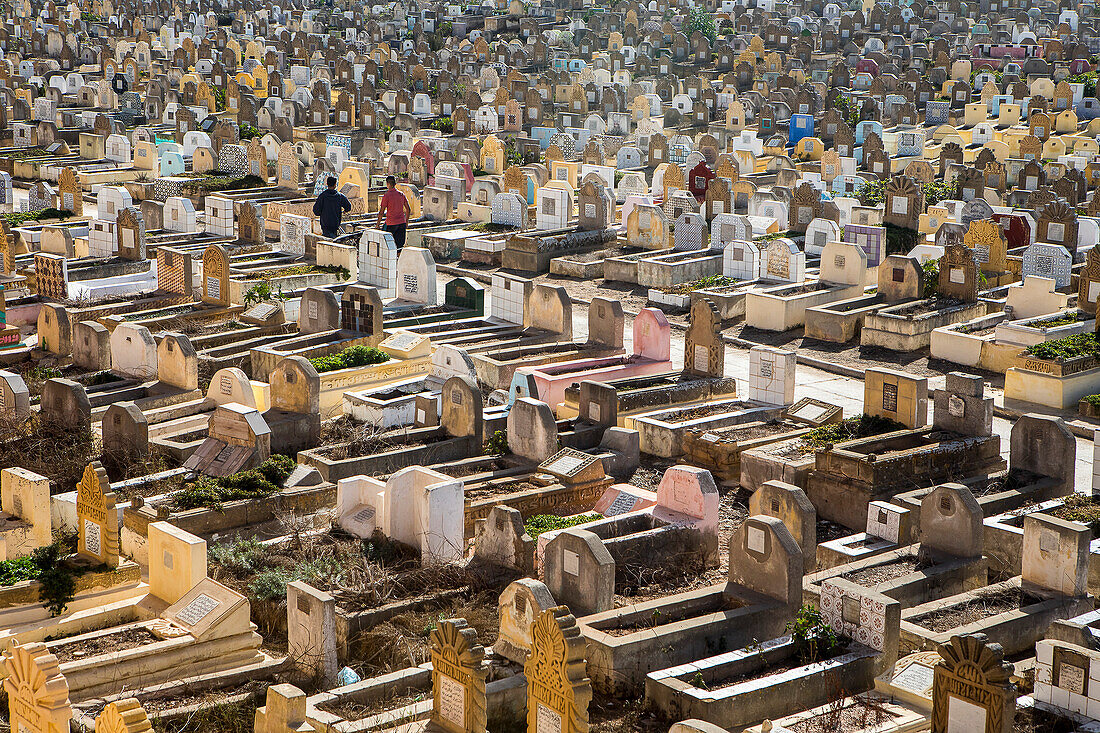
(395, 208)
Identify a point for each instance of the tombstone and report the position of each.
(791, 505)
(704, 349)
(416, 276)
(783, 261)
(51, 276)
(521, 603)
(972, 689)
(549, 308)
(962, 407)
(311, 631)
(38, 695)
(293, 229)
(896, 395)
(1055, 555)
(15, 399)
(501, 540)
(65, 405)
(951, 522)
(459, 672)
(133, 352)
(900, 278)
(361, 311)
(1043, 445)
(215, 276)
(284, 711)
(958, 277)
(177, 561)
(558, 693)
(125, 430)
(764, 558)
(1048, 260)
(96, 518)
(1088, 282)
(378, 261)
(319, 310)
(532, 430)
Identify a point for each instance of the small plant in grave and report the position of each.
(1082, 344)
(497, 444)
(1092, 399)
(353, 356)
(814, 640)
(46, 565)
(536, 525)
(860, 426)
(260, 292)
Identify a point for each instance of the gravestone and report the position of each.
(319, 310)
(789, 504)
(771, 375)
(889, 522)
(704, 349)
(1088, 282)
(1048, 260)
(177, 561)
(125, 430)
(558, 693)
(896, 395)
(1055, 555)
(972, 691)
(521, 603)
(15, 399)
(958, 273)
(65, 405)
(579, 571)
(284, 711)
(38, 694)
(215, 276)
(900, 278)
(864, 616)
(123, 716)
(311, 631)
(96, 517)
(51, 275)
(25, 495)
(501, 540)
(951, 522)
(459, 672)
(962, 407)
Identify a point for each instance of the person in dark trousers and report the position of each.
(396, 210)
(330, 207)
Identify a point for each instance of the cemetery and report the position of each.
(663, 367)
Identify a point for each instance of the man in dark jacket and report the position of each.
(330, 207)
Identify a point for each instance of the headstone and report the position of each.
(951, 521)
(96, 517)
(791, 505)
(311, 631)
(284, 711)
(215, 275)
(972, 691)
(501, 540)
(38, 694)
(558, 693)
(1055, 555)
(459, 671)
(704, 349)
(771, 375)
(579, 571)
(177, 561)
(123, 716)
(962, 407)
(521, 603)
(896, 395)
(958, 273)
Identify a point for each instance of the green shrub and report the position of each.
(1092, 399)
(813, 638)
(353, 356)
(860, 426)
(44, 564)
(540, 523)
(208, 491)
(1082, 344)
(497, 444)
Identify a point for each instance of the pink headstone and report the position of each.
(652, 335)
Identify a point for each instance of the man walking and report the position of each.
(395, 207)
(329, 208)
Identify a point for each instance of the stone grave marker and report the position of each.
(284, 711)
(704, 349)
(771, 375)
(962, 407)
(896, 395)
(459, 671)
(579, 571)
(958, 273)
(558, 693)
(1048, 260)
(521, 603)
(502, 540)
(215, 276)
(1055, 555)
(972, 691)
(789, 504)
(38, 695)
(96, 517)
(311, 630)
